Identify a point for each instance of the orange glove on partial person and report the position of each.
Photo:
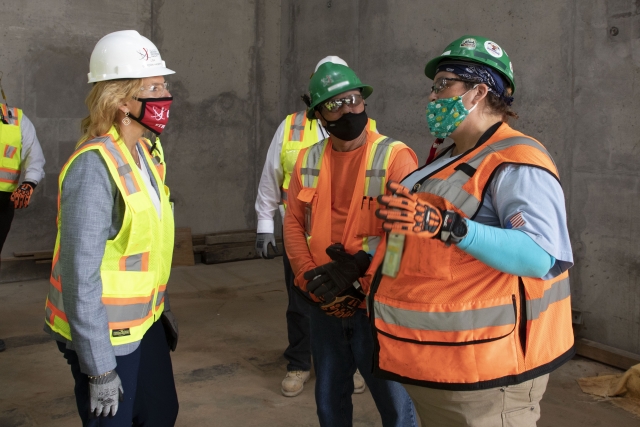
(22, 195)
(403, 213)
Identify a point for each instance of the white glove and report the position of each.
(105, 391)
(263, 240)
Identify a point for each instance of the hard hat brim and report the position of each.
(128, 74)
(432, 66)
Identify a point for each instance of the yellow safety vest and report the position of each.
(299, 134)
(137, 262)
(11, 148)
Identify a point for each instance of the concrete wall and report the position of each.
(45, 60)
(241, 67)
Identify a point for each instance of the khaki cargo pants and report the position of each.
(512, 406)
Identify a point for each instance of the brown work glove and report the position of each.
(345, 304)
(22, 195)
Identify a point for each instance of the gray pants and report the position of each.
(512, 406)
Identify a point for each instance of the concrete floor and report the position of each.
(229, 364)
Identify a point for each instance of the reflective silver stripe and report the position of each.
(100, 140)
(55, 298)
(453, 192)
(9, 151)
(451, 188)
(309, 171)
(377, 173)
(314, 156)
(48, 313)
(159, 298)
(121, 163)
(297, 126)
(504, 144)
(557, 292)
(133, 262)
(55, 271)
(129, 312)
(446, 322)
(156, 160)
(13, 119)
(9, 176)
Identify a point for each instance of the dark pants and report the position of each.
(150, 397)
(6, 216)
(298, 354)
(339, 347)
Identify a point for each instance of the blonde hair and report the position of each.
(103, 102)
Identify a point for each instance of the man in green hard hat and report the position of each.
(331, 232)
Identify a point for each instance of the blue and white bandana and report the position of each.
(478, 73)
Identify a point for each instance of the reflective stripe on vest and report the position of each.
(446, 318)
(11, 148)
(136, 263)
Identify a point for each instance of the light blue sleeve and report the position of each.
(530, 200)
(509, 251)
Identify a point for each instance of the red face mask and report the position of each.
(154, 114)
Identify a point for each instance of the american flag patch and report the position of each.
(516, 221)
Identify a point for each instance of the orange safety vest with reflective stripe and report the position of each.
(362, 229)
(137, 261)
(11, 148)
(447, 320)
(299, 133)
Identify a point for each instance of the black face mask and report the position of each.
(349, 126)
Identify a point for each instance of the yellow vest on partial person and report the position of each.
(137, 262)
(10, 148)
(299, 134)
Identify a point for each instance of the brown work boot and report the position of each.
(358, 383)
(293, 382)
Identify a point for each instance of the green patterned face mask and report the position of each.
(445, 115)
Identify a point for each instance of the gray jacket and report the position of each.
(91, 212)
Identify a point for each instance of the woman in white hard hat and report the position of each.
(114, 245)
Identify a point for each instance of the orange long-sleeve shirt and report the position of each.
(345, 167)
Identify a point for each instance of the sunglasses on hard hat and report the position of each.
(335, 104)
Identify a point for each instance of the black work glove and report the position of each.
(330, 280)
(345, 304)
(170, 325)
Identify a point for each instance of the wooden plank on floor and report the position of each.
(215, 254)
(605, 354)
(231, 237)
(34, 255)
(183, 248)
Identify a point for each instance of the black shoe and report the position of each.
(2, 346)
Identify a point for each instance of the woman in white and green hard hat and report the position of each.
(471, 307)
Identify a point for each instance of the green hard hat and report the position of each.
(330, 80)
(475, 49)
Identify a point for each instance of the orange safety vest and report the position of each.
(299, 133)
(362, 229)
(449, 321)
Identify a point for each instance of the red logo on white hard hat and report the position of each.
(144, 54)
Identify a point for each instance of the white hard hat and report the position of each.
(125, 55)
(334, 59)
